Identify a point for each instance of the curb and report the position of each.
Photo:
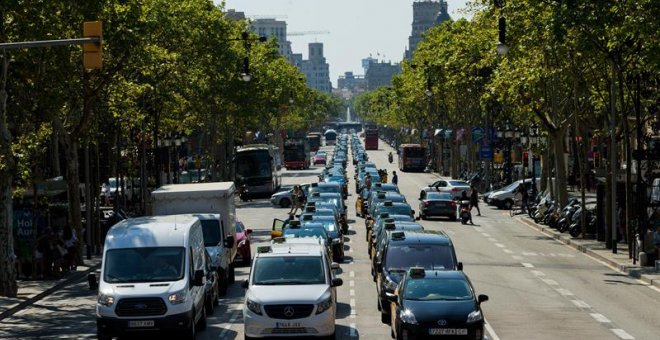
(630, 270)
(75, 277)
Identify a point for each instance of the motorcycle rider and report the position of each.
(464, 197)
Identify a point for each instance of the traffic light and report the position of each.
(93, 52)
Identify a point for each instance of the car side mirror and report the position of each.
(336, 282)
(482, 298)
(198, 278)
(229, 241)
(245, 284)
(459, 266)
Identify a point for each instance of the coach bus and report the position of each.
(259, 167)
(412, 157)
(371, 139)
(330, 137)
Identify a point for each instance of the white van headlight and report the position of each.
(253, 306)
(177, 298)
(106, 300)
(324, 305)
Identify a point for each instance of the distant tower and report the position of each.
(426, 14)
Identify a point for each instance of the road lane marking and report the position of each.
(232, 320)
(564, 292)
(508, 251)
(352, 332)
(528, 253)
(486, 234)
(352, 303)
(622, 334)
(516, 257)
(527, 265)
(492, 239)
(491, 331)
(538, 273)
(351, 283)
(550, 282)
(351, 292)
(600, 318)
(580, 304)
(500, 245)
(351, 274)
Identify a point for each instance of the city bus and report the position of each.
(412, 157)
(330, 137)
(314, 140)
(259, 167)
(371, 139)
(296, 153)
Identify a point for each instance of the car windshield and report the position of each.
(153, 264)
(211, 230)
(289, 270)
(305, 232)
(434, 256)
(394, 209)
(434, 195)
(428, 289)
(459, 184)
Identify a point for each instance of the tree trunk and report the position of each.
(560, 168)
(8, 286)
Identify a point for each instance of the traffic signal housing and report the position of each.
(93, 52)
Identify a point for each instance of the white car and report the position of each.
(454, 187)
(291, 291)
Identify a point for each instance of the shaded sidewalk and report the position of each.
(31, 291)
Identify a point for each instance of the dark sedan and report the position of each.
(436, 304)
(437, 204)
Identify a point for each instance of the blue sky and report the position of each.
(358, 28)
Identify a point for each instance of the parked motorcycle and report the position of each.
(566, 214)
(243, 193)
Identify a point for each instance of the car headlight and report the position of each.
(407, 317)
(475, 316)
(177, 298)
(324, 305)
(106, 300)
(253, 306)
(390, 285)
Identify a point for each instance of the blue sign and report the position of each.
(486, 152)
(477, 134)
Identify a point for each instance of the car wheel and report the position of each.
(223, 285)
(331, 336)
(285, 203)
(247, 259)
(232, 273)
(208, 304)
(508, 204)
(384, 318)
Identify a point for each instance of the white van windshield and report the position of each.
(289, 270)
(144, 265)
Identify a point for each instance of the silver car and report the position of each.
(284, 198)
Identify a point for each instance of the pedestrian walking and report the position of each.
(395, 178)
(297, 198)
(474, 200)
(71, 246)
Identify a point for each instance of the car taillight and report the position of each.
(426, 203)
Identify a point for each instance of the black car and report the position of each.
(405, 249)
(436, 303)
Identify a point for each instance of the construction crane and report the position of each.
(306, 33)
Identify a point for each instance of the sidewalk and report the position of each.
(31, 291)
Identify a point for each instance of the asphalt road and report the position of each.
(538, 288)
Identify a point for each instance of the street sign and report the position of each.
(477, 134)
(486, 152)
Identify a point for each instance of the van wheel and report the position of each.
(190, 332)
(232, 273)
(209, 305)
(202, 320)
(103, 337)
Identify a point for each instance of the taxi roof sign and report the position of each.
(389, 220)
(381, 194)
(384, 215)
(390, 226)
(294, 224)
(416, 272)
(388, 203)
(398, 235)
(264, 249)
(307, 217)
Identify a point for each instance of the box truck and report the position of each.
(213, 204)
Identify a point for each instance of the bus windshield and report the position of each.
(414, 152)
(253, 163)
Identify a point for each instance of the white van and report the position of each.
(152, 277)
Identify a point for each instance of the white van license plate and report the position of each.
(448, 331)
(288, 324)
(141, 323)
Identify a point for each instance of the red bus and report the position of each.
(371, 139)
(412, 157)
(314, 140)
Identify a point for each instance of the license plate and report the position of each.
(288, 325)
(141, 323)
(448, 331)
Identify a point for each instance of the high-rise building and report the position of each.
(232, 14)
(272, 28)
(380, 74)
(316, 69)
(426, 14)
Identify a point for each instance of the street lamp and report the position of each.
(508, 135)
(533, 140)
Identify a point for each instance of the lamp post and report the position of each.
(508, 136)
(533, 141)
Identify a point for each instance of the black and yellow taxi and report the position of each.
(430, 304)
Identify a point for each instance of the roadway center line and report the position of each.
(492, 239)
(564, 292)
(550, 282)
(351, 292)
(508, 251)
(351, 274)
(538, 273)
(516, 257)
(622, 334)
(580, 304)
(232, 320)
(485, 234)
(500, 245)
(527, 265)
(600, 318)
